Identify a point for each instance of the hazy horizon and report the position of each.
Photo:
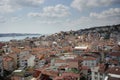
(51, 16)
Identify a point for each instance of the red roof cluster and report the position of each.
(115, 54)
(1, 45)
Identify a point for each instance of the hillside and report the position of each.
(101, 29)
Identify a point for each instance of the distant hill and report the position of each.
(101, 29)
(15, 34)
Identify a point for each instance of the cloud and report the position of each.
(111, 13)
(49, 22)
(106, 17)
(16, 19)
(7, 6)
(2, 19)
(27, 3)
(86, 4)
(53, 11)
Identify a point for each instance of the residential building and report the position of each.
(68, 76)
(113, 73)
(90, 61)
(8, 63)
(80, 49)
(115, 56)
(27, 61)
(96, 74)
(7, 49)
(18, 75)
(1, 64)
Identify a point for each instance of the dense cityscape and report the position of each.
(85, 54)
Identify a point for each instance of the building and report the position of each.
(113, 73)
(68, 76)
(105, 72)
(21, 75)
(8, 63)
(27, 61)
(40, 61)
(90, 61)
(96, 74)
(7, 49)
(15, 58)
(80, 49)
(1, 64)
(18, 75)
(115, 56)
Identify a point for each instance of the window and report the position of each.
(101, 78)
(96, 78)
(95, 73)
(101, 74)
(92, 63)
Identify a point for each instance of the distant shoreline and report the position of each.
(15, 34)
(8, 38)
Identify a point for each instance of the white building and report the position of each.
(28, 61)
(7, 49)
(80, 49)
(102, 72)
(90, 61)
(96, 75)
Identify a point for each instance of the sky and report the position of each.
(51, 16)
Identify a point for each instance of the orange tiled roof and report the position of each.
(50, 73)
(85, 67)
(63, 66)
(89, 58)
(41, 56)
(60, 61)
(114, 61)
(101, 67)
(114, 70)
(26, 57)
(70, 74)
(16, 50)
(58, 78)
(7, 59)
(115, 53)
